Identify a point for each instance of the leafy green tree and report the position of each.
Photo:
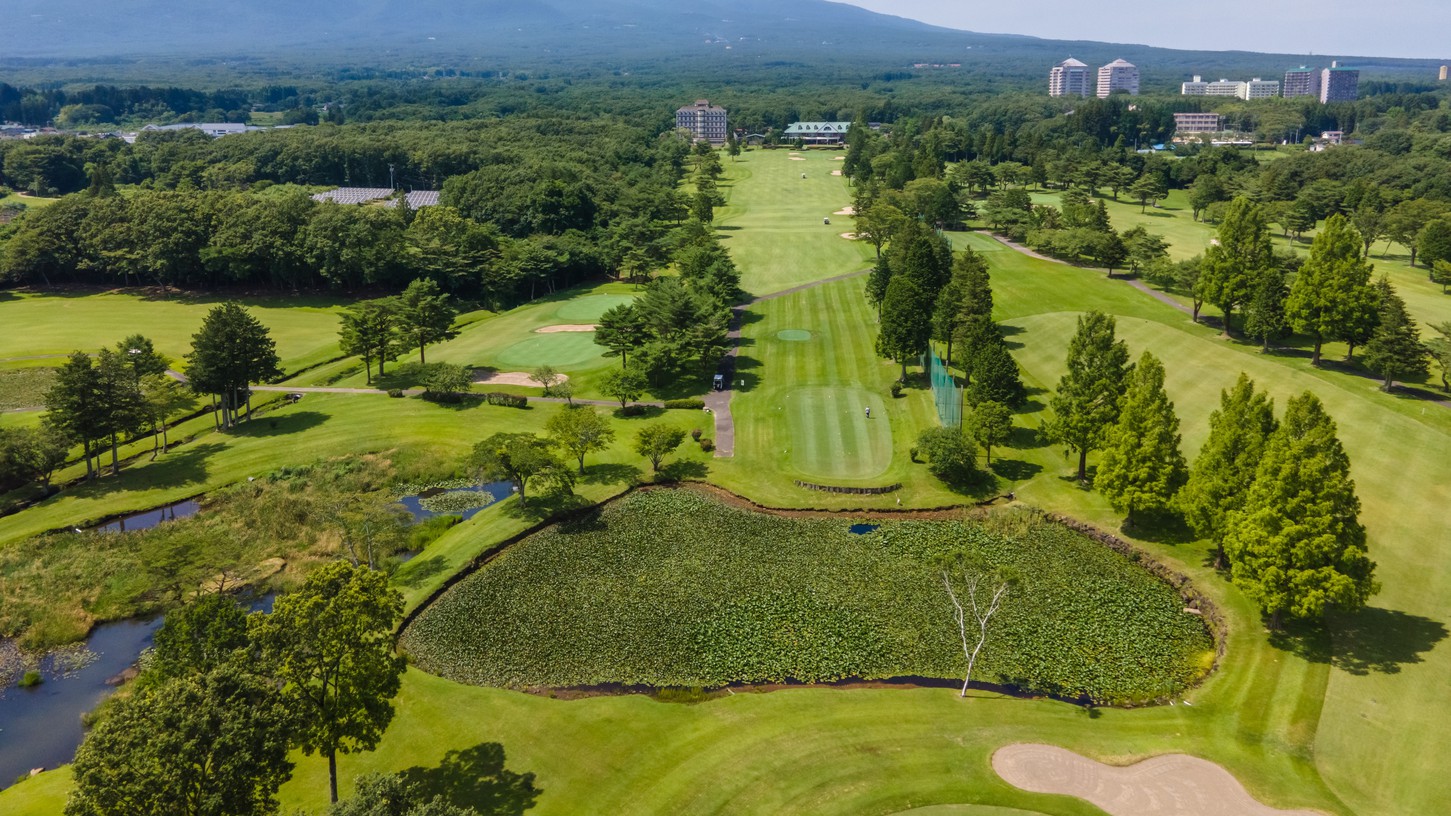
(425, 314)
(656, 441)
(580, 431)
(1144, 249)
(623, 384)
(1264, 317)
(1441, 273)
(876, 224)
(518, 458)
(230, 352)
(393, 795)
(966, 295)
(990, 424)
(28, 454)
(1225, 468)
(1148, 188)
(370, 329)
(202, 745)
(1142, 468)
(1086, 404)
(74, 407)
(123, 407)
(330, 646)
(1297, 219)
(949, 453)
(1108, 250)
(1240, 253)
(200, 637)
(1331, 296)
(1395, 351)
(164, 399)
(1440, 349)
(1434, 244)
(547, 378)
(1297, 547)
(445, 381)
(1404, 221)
(1370, 222)
(622, 330)
(994, 375)
(1206, 189)
(906, 323)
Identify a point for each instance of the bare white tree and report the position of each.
(986, 589)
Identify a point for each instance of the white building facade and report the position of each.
(1068, 78)
(1119, 75)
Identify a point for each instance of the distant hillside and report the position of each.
(537, 34)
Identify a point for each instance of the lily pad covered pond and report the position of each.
(671, 588)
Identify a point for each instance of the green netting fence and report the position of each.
(946, 393)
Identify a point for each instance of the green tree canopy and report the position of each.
(1142, 467)
(230, 352)
(425, 314)
(1225, 468)
(580, 431)
(1239, 254)
(1331, 296)
(1395, 351)
(1086, 404)
(656, 441)
(518, 458)
(1297, 547)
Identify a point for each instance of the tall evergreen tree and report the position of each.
(967, 295)
(73, 406)
(906, 321)
(1395, 351)
(1297, 547)
(230, 352)
(621, 331)
(1331, 296)
(1264, 317)
(123, 407)
(370, 329)
(1142, 468)
(994, 376)
(1087, 401)
(425, 314)
(1231, 264)
(1225, 467)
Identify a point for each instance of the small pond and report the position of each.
(151, 518)
(863, 529)
(461, 501)
(40, 727)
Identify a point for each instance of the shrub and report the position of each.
(686, 404)
(395, 393)
(30, 680)
(897, 388)
(707, 445)
(950, 455)
(506, 400)
(633, 411)
(695, 434)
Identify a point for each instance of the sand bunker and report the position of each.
(850, 236)
(847, 210)
(838, 158)
(568, 327)
(836, 172)
(1169, 785)
(798, 158)
(512, 378)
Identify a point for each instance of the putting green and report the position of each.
(831, 436)
(794, 334)
(559, 349)
(589, 309)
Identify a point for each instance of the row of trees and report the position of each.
(1276, 499)
(225, 697)
(381, 329)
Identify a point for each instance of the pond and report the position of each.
(863, 529)
(151, 518)
(462, 501)
(40, 727)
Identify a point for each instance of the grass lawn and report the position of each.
(772, 221)
(22, 388)
(43, 324)
(511, 342)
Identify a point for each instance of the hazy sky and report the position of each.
(1374, 28)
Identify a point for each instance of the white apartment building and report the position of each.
(1119, 75)
(1198, 123)
(1068, 78)
(1259, 89)
(1254, 89)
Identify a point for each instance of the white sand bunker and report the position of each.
(850, 236)
(836, 172)
(568, 327)
(1169, 785)
(847, 210)
(798, 158)
(838, 158)
(512, 378)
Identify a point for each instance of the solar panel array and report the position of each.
(364, 195)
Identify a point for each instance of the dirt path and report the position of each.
(1169, 785)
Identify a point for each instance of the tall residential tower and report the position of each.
(1068, 78)
(704, 121)
(1118, 75)
(1339, 84)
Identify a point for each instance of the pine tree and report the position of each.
(906, 321)
(1297, 547)
(1087, 401)
(1331, 296)
(1142, 467)
(1242, 250)
(994, 375)
(1264, 318)
(1225, 467)
(1395, 351)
